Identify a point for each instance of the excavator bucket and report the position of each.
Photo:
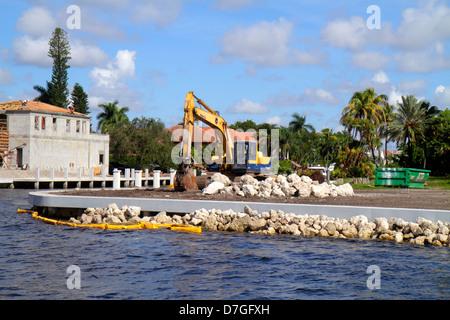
(185, 179)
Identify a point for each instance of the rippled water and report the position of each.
(162, 264)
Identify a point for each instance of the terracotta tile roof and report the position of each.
(19, 105)
(207, 134)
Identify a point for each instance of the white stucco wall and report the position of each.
(59, 144)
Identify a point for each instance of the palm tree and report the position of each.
(44, 93)
(362, 108)
(366, 105)
(408, 124)
(111, 116)
(298, 124)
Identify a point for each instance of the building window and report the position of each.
(54, 124)
(101, 158)
(43, 123)
(83, 127)
(78, 126)
(67, 125)
(36, 123)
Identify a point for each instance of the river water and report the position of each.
(162, 264)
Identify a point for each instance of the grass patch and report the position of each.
(438, 183)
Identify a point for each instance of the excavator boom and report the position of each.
(185, 179)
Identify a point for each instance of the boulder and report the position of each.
(249, 190)
(293, 178)
(218, 177)
(382, 225)
(73, 220)
(320, 191)
(163, 218)
(213, 187)
(210, 223)
(248, 179)
(111, 219)
(240, 224)
(366, 231)
(349, 230)
(277, 192)
(416, 230)
(398, 237)
(90, 211)
(132, 211)
(420, 240)
(135, 219)
(330, 227)
(196, 221)
(423, 223)
(257, 224)
(97, 219)
(306, 179)
(86, 218)
(345, 190)
(113, 206)
(386, 236)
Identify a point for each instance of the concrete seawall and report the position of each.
(53, 202)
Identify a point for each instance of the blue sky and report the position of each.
(250, 59)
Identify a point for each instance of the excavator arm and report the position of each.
(185, 179)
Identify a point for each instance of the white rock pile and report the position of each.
(111, 215)
(279, 186)
(421, 232)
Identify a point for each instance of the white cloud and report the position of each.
(86, 55)
(380, 77)
(442, 96)
(395, 96)
(423, 26)
(248, 106)
(32, 51)
(309, 97)
(36, 21)
(32, 48)
(117, 70)
(353, 34)
(425, 61)
(110, 83)
(370, 60)
(417, 42)
(273, 120)
(350, 34)
(265, 44)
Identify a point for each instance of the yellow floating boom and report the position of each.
(140, 226)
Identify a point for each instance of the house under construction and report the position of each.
(38, 135)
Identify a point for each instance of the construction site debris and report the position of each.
(279, 186)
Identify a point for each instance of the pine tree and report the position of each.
(79, 98)
(59, 51)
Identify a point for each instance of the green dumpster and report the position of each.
(401, 177)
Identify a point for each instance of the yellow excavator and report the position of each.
(234, 158)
